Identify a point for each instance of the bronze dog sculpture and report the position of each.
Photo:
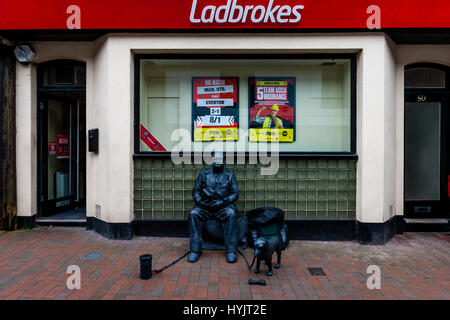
(267, 234)
(264, 249)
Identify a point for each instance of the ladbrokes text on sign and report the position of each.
(233, 12)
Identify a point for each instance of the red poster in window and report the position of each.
(150, 140)
(63, 146)
(215, 108)
(52, 147)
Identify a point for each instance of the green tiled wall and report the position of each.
(304, 189)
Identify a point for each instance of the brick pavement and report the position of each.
(33, 265)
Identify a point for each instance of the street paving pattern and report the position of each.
(34, 263)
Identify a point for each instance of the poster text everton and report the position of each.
(215, 108)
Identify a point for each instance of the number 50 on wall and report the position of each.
(421, 98)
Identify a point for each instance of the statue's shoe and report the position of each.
(231, 257)
(193, 257)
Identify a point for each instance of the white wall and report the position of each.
(390, 122)
(110, 180)
(26, 140)
(97, 118)
(375, 125)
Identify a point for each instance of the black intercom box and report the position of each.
(93, 140)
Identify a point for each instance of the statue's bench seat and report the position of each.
(263, 219)
(213, 236)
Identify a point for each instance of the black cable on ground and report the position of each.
(184, 255)
(249, 266)
(171, 264)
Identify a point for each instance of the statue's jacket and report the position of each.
(215, 186)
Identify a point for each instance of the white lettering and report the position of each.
(374, 20)
(235, 7)
(74, 280)
(297, 14)
(183, 147)
(211, 15)
(194, 6)
(247, 9)
(374, 281)
(270, 12)
(232, 12)
(225, 15)
(285, 11)
(210, 311)
(254, 13)
(74, 20)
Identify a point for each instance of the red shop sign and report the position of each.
(221, 14)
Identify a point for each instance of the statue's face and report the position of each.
(217, 162)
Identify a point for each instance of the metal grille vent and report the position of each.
(93, 256)
(316, 272)
(98, 211)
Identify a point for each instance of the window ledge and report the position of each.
(297, 155)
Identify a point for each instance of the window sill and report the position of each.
(282, 155)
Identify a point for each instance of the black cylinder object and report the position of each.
(258, 282)
(146, 266)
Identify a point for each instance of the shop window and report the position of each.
(304, 104)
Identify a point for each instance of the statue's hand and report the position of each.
(206, 203)
(217, 204)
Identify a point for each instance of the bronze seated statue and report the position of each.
(215, 192)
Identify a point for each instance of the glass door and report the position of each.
(427, 164)
(59, 156)
(425, 154)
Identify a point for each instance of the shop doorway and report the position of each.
(427, 142)
(62, 142)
